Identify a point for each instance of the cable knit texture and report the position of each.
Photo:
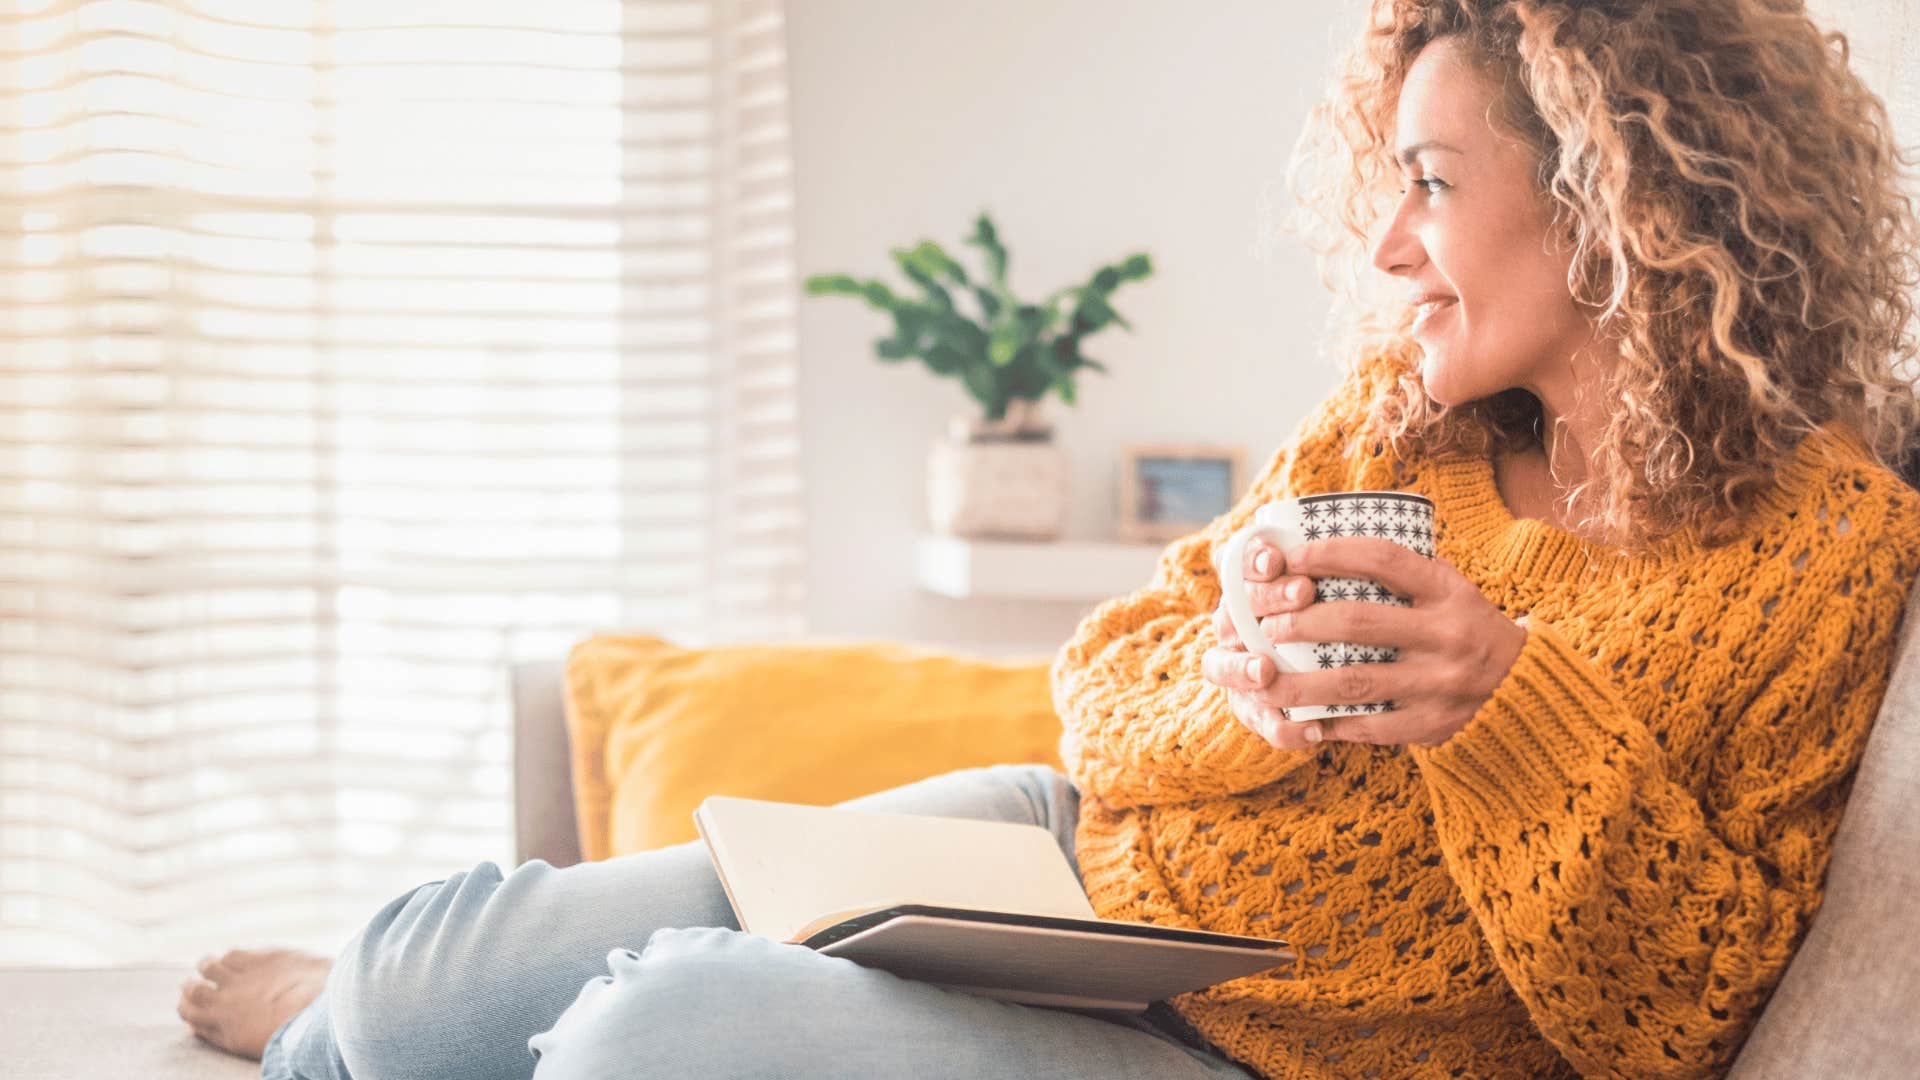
(1604, 873)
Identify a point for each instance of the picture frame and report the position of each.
(1170, 490)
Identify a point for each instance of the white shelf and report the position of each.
(1012, 569)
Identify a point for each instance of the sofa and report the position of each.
(1846, 1007)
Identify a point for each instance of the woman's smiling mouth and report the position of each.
(1426, 310)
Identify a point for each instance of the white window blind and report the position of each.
(350, 352)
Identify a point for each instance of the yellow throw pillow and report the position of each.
(657, 727)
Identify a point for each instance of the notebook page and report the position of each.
(784, 864)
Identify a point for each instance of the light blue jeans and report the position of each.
(635, 967)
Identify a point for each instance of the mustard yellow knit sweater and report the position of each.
(1604, 874)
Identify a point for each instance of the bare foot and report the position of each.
(237, 1001)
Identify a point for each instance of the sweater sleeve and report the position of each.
(1140, 725)
(1644, 931)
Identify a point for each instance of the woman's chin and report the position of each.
(1435, 376)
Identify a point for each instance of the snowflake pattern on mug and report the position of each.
(1406, 521)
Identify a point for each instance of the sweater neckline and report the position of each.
(1475, 513)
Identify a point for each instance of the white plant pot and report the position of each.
(1004, 488)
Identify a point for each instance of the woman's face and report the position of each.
(1471, 233)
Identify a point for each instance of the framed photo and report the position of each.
(1167, 492)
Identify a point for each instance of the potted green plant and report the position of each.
(998, 473)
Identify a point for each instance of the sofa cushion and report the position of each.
(1846, 1004)
(656, 727)
(88, 1023)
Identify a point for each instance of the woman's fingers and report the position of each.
(1268, 587)
(1296, 734)
(1268, 723)
(1264, 562)
(1395, 681)
(1235, 669)
(1286, 594)
(1262, 720)
(1247, 679)
(1269, 598)
(1260, 563)
(1223, 628)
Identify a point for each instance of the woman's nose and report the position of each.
(1398, 250)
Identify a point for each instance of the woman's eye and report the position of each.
(1429, 183)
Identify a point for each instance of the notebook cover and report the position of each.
(785, 864)
(1086, 967)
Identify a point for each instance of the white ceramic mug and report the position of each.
(1400, 516)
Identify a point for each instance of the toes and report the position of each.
(240, 959)
(196, 992)
(196, 996)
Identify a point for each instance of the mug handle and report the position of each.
(1233, 589)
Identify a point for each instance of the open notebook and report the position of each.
(985, 907)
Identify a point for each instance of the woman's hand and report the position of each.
(1455, 647)
(1242, 672)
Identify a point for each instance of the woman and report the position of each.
(1655, 267)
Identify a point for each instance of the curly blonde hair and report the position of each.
(1731, 192)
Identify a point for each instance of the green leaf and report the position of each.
(876, 294)
(911, 265)
(832, 284)
(1052, 311)
(986, 239)
(1058, 368)
(1047, 361)
(1092, 315)
(934, 259)
(965, 334)
(1001, 347)
(944, 359)
(1024, 327)
(910, 325)
(879, 296)
(1032, 320)
(1109, 278)
(1025, 378)
(984, 384)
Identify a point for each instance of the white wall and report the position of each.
(1089, 130)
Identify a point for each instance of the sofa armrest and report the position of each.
(543, 821)
(1845, 1005)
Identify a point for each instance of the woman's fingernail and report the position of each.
(1313, 733)
(1253, 669)
(1263, 562)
